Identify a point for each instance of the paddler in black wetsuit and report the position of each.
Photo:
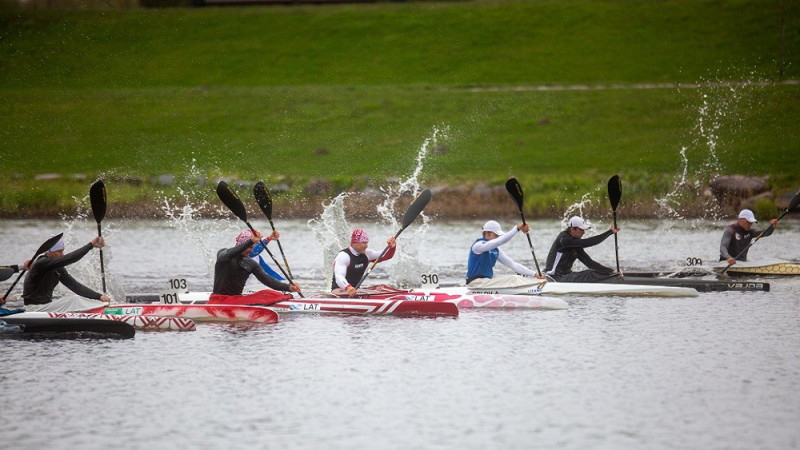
(351, 263)
(569, 246)
(737, 237)
(50, 269)
(234, 267)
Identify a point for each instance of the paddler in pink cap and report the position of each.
(351, 263)
(234, 267)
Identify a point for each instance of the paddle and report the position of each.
(6, 272)
(614, 196)
(234, 203)
(97, 196)
(412, 212)
(792, 205)
(515, 191)
(42, 248)
(265, 203)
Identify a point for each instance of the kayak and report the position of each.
(383, 299)
(698, 285)
(197, 313)
(141, 323)
(772, 267)
(563, 288)
(362, 305)
(66, 325)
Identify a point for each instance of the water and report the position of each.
(720, 371)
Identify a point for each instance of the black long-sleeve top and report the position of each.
(46, 273)
(232, 270)
(567, 248)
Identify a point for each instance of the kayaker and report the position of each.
(234, 267)
(737, 236)
(351, 263)
(485, 252)
(50, 269)
(569, 246)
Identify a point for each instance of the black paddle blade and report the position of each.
(614, 191)
(795, 201)
(416, 207)
(47, 245)
(97, 196)
(263, 198)
(6, 272)
(231, 200)
(515, 191)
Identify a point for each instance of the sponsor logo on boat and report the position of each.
(421, 298)
(130, 311)
(304, 306)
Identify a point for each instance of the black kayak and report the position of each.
(698, 285)
(71, 325)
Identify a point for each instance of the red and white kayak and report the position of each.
(201, 313)
(141, 323)
(382, 299)
(344, 305)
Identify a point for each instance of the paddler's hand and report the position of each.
(524, 227)
(105, 298)
(27, 264)
(391, 242)
(774, 222)
(541, 276)
(614, 229)
(731, 261)
(351, 291)
(98, 242)
(274, 236)
(256, 236)
(294, 287)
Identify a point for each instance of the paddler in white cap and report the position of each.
(50, 269)
(485, 252)
(570, 246)
(737, 236)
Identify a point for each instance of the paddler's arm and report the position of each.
(727, 235)
(75, 286)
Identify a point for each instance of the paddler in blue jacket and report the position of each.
(234, 267)
(351, 263)
(485, 252)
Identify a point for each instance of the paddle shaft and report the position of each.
(530, 244)
(616, 241)
(280, 247)
(755, 240)
(288, 278)
(102, 267)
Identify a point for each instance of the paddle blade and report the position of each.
(231, 200)
(416, 207)
(795, 201)
(263, 198)
(614, 191)
(515, 191)
(97, 196)
(47, 245)
(6, 272)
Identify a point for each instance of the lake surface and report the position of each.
(719, 371)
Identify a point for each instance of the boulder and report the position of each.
(732, 189)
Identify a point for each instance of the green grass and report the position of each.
(256, 92)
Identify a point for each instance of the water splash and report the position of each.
(332, 230)
(719, 101)
(576, 209)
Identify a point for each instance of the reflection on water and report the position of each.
(716, 371)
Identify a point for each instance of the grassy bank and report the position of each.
(561, 95)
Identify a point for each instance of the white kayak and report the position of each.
(562, 288)
(763, 267)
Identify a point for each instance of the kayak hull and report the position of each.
(69, 325)
(197, 313)
(140, 323)
(775, 267)
(604, 289)
(698, 285)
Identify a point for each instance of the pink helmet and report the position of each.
(243, 236)
(359, 236)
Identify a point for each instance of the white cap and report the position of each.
(494, 227)
(57, 246)
(747, 214)
(577, 222)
